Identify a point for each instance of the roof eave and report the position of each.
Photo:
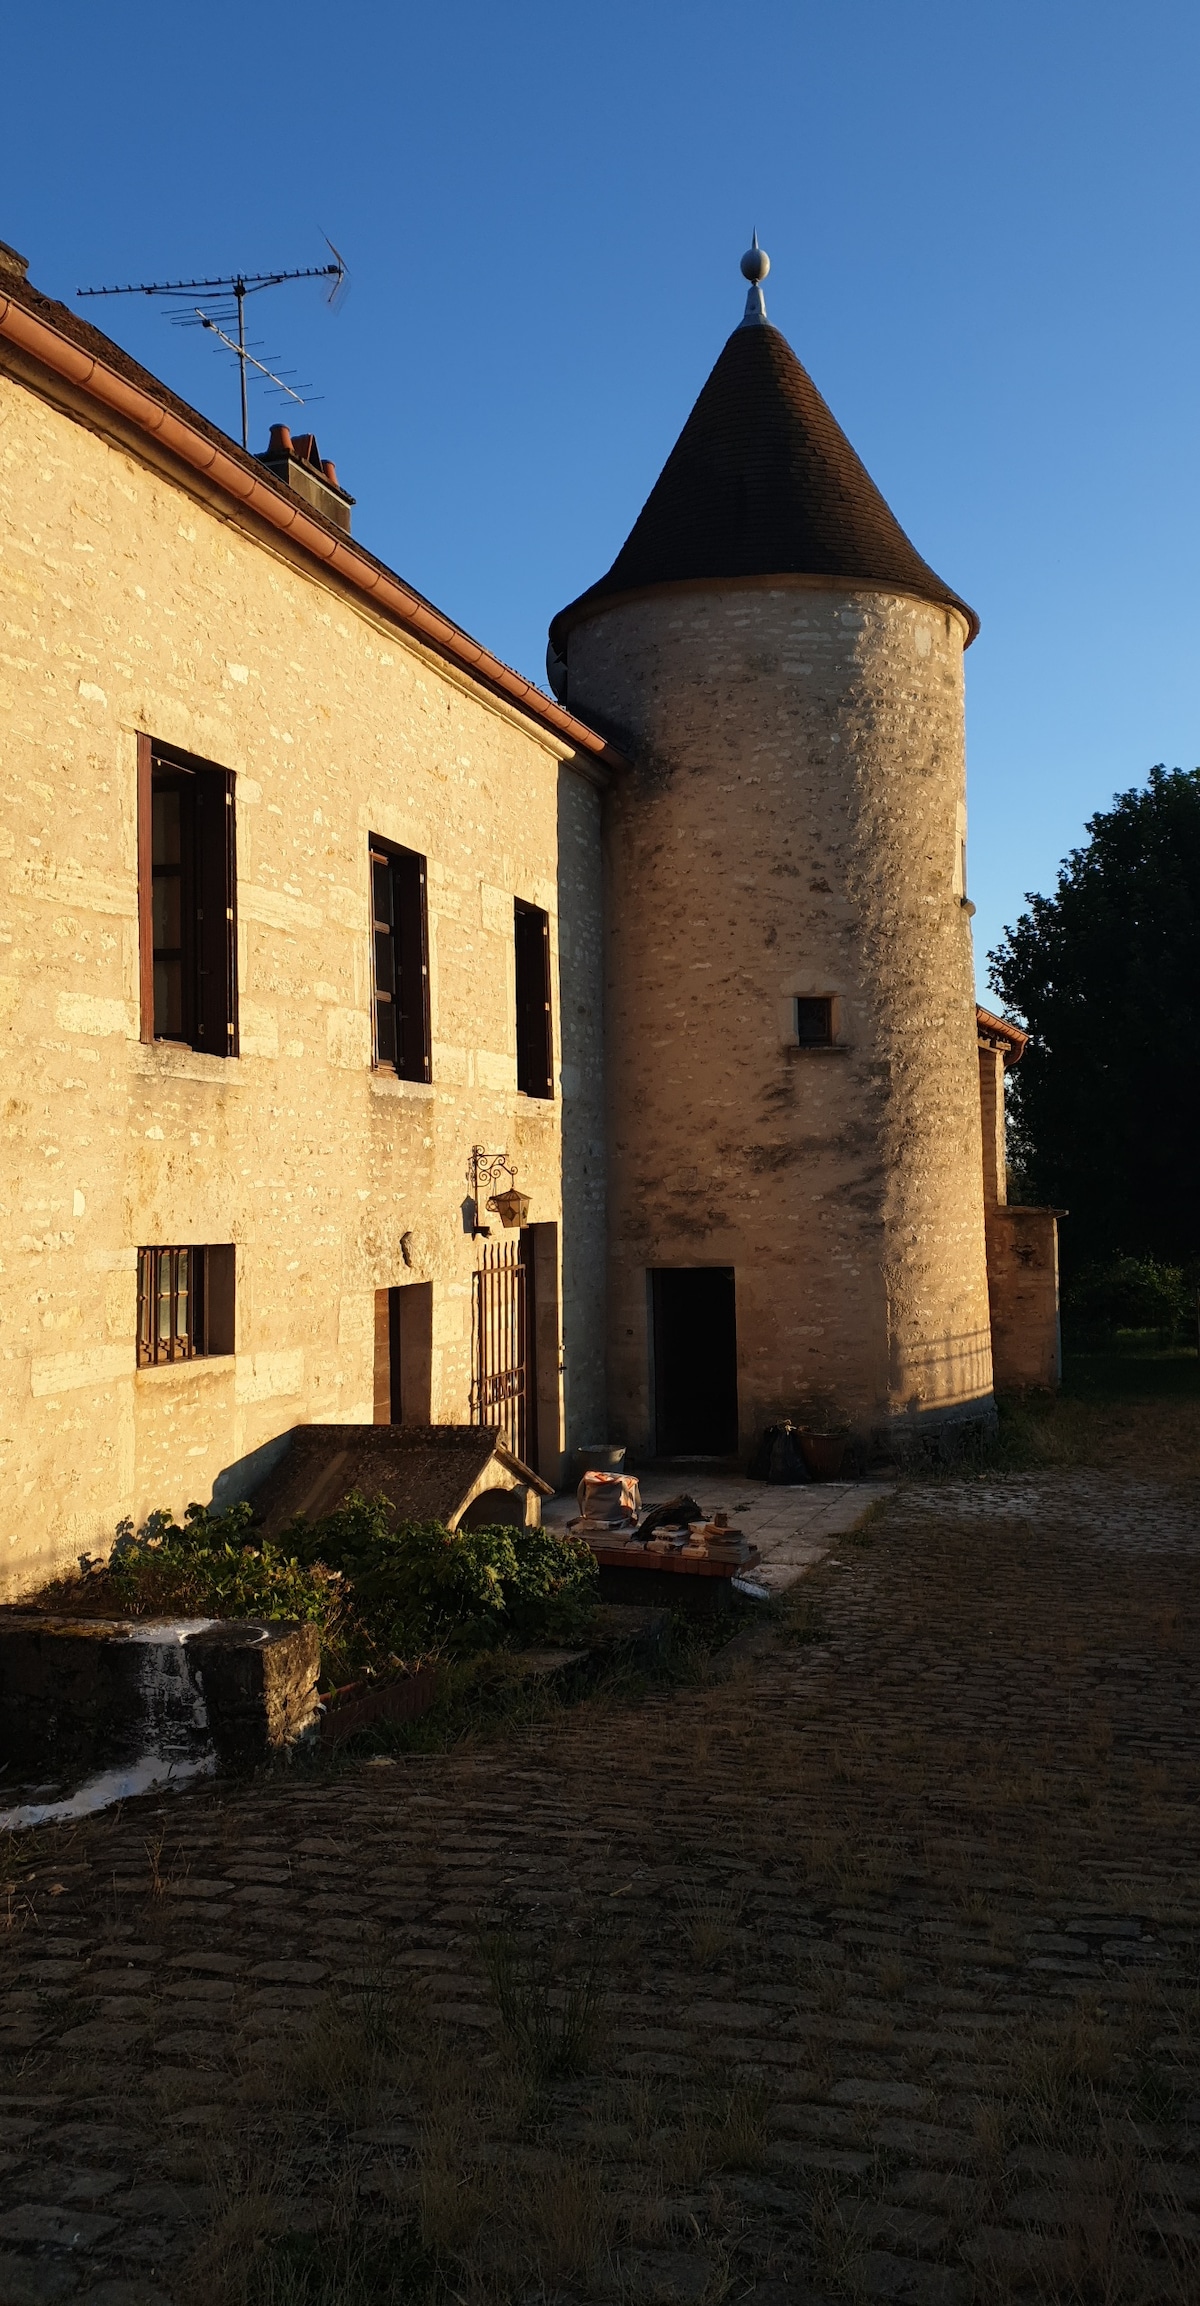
(1000, 1033)
(249, 489)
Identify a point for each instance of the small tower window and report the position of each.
(814, 1022)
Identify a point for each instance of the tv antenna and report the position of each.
(226, 293)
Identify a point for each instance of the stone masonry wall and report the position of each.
(793, 827)
(1022, 1247)
(130, 604)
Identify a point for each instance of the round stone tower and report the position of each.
(795, 1161)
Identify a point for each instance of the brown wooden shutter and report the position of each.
(383, 1358)
(145, 886)
(412, 955)
(216, 928)
(383, 956)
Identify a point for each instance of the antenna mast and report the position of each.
(238, 285)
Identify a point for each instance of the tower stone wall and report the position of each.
(793, 826)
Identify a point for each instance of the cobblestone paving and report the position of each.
(880, 1954)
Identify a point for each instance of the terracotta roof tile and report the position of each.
(1014, 1038)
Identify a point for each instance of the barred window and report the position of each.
(185, 1303)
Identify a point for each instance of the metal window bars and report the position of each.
(499, 1389)
(170, 1305)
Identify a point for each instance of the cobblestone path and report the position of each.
(866, 1972)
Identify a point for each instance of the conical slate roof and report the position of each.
(762, 481)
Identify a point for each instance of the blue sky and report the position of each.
(983, 228)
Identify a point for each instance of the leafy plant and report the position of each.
(424, 1586)
(209, 1567)
(378, 1595)
(1129, 1293)
(1105, 1103)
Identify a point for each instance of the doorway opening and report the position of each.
(404, 1354)
(695, 1361)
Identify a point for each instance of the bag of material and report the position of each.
(613, 1499)
(778, 1456)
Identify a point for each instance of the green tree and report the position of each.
(1106, 975)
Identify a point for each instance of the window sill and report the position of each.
(394, 1085)
(174, 1060)
(201, 1365)
(819, 1048)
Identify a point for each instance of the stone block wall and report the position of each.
(1022, 1248)
(132, 603)
(793, 827)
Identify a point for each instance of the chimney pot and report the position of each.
(299, 465)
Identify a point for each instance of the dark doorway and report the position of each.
(695, 1361)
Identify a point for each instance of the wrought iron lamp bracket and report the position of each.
(488, 1170)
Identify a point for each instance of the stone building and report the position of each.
(796, 1212)
(293, 869)
(304, 962)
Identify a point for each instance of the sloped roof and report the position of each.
(762, 481)
(1001, 1032)
(71, 348)
(428, 1472)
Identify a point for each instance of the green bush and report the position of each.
(1128, 1293)
(214, 1566)
(422, 1587)
(379, 1596)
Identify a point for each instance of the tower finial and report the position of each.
(755, 266)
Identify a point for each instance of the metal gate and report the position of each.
(500, 1345)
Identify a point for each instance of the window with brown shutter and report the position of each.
(187, 890)
(535, 1049)
(400, 937)
(185, 1303)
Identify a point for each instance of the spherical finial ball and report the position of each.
(755, 264)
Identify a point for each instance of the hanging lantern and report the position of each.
(512, 1208)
